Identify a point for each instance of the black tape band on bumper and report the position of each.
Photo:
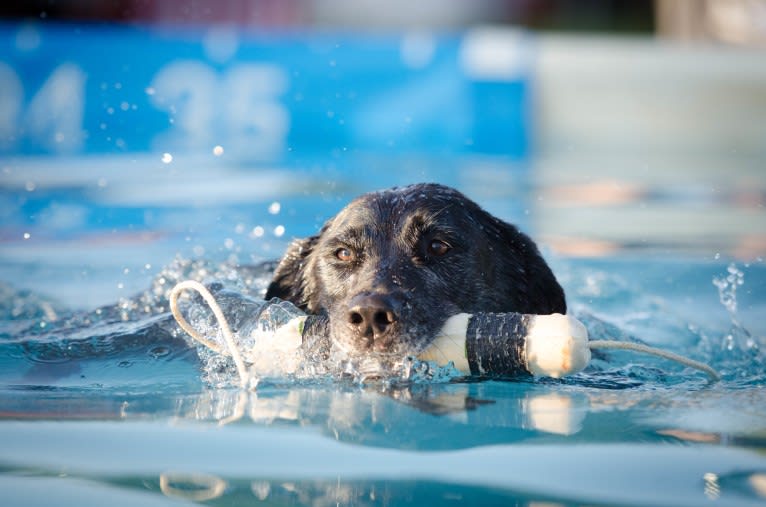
(495, 344)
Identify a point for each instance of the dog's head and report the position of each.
(392, 266)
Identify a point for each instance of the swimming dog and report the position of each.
(392, 266)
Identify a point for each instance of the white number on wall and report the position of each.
(240, 110)
(54, 117)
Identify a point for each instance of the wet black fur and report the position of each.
(490, 267)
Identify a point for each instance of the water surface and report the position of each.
(87, 416)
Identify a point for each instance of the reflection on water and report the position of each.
(193, 486)
(357, 414)
(432, 416)
(199, 487)
(514, 445)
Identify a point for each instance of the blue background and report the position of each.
(305, 93)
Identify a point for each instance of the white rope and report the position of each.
(637, 347)
(228, 336)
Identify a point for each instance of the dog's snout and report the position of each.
(372, 316)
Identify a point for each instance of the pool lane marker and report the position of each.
(482, 344)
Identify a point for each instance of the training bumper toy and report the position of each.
(511, 344)
(483, 344)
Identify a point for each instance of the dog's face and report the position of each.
(392, 266)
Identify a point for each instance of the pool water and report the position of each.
(89, 419)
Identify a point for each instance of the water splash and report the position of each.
(269, 353)
(727, 288)
(247, 280)
(141, 325)
(741, 348)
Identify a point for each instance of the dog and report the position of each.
(391, 267)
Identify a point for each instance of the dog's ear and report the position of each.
(292, 279)
(532, 282)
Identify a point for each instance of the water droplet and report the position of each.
(274, 208)
(218, 150)
(167, 158)
(279, 231)
(27, 235)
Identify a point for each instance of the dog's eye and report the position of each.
(438, 248)
(345, 254)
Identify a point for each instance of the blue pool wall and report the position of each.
(84, 89)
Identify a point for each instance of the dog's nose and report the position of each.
(372, 316)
